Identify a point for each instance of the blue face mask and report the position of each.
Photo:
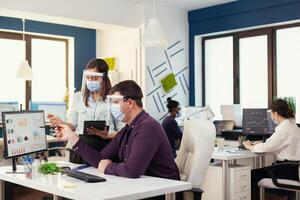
(93, 86)
(116, 112)
(178, 114)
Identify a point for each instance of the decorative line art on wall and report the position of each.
(161, 72)
(155, 103)
(161, 103)
(182, 85)
(176, 52)
(155, 68)
(162, 87)
(150, 75)
(153, 91)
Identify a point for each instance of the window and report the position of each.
(48, 58)
(265, 64)
(12, 52)
(253, 66)
(288, 64)
(49, 69)
(218, 73)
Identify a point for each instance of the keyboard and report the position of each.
(88, 178)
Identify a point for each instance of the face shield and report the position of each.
(114, 107)
(91, 80)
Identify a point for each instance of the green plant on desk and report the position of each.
(49, 169)
(242, 139)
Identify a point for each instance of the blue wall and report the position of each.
(238, 14)
(84, 39)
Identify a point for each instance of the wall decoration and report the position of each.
(169, 82)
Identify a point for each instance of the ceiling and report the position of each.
(186, 4)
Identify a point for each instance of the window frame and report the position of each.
(272, 72)
(28, 38)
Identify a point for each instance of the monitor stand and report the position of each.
(14, 167)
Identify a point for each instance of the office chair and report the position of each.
(195, 152)
(222, 125)
(282, 184)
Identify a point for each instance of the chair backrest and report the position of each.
(196, 150)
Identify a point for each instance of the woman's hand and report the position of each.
(100, 133)
(248, 145)
(54, 120)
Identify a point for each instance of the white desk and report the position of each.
(227, 154)
(116, 188)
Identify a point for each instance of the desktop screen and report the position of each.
(256, 122)
(232, 112)
(24, 132)
(8, 106)
(56, 108)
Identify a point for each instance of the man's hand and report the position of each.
(103, 164)
(64, 132)
(54, 120)
(248, 145)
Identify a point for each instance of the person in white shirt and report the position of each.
(284, 144)
(91, 104)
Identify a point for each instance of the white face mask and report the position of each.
(115, 110)
(274, 121)
(93, 86)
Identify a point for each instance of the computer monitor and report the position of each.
(8, 106)
(256, 122)
(24, 133)
(56, 108)
(232, 112)
(223, 125)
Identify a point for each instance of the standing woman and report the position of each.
(90, 104)
(170, 125)
(284, 144)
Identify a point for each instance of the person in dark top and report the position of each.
(170, 125)
(140, 148)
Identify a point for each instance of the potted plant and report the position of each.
(49, 172)
(291, 101)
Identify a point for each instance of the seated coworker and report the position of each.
(284, 143)
(170, 125)
(140, 148)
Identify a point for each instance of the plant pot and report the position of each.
(52, 179)
(44, 178)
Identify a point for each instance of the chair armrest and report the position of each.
(275, 180)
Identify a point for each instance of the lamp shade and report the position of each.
(24, 71)
(154, 35)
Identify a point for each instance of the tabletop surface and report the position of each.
(114, 188)
(232, 153)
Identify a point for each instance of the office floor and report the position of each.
(22, 193)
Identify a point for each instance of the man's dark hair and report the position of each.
(130, 90)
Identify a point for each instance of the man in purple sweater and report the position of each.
(140, 148)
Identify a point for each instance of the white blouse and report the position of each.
(97, 110)
(284, 142)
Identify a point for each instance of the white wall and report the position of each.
(175, 24)
(114, 12)
(124, 45)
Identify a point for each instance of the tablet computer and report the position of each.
(97, 124)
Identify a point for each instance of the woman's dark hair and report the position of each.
(101, 67)
(130, 90)
(282, 108)
(172, 104)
